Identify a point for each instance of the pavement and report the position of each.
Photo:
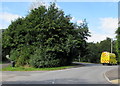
(113, 76)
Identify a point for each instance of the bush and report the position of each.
(44, 58)
(21, 55)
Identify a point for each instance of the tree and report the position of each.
(81, 34)
(45, 38)
(118, 43)
(53, 33)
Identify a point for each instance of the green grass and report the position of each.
(9, 68)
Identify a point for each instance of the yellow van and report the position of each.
(108, 58)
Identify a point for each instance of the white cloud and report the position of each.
(97, 37)
(109, 25)
(6, 18)
(106, 28)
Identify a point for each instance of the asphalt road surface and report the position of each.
(88, 74)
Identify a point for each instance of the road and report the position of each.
(88, 74)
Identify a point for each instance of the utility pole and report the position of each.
(111, 45)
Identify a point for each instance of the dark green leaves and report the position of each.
(118, 43)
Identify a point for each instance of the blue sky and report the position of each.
(101, 16)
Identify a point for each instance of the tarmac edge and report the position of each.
(107, 78)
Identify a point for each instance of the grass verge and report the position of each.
(9, 68)
(27, 68)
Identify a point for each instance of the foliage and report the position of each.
(45, 38)
(118, 43)
(43, 58)
(12, 37)
(81, 36)
(21, 56)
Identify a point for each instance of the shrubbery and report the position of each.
(42, 58)
(21, 56)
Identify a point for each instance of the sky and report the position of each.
(102, 17)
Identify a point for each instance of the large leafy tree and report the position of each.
(118, 43)
(45, 38)
(81, 34)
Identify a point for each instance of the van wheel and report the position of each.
(103, 63)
